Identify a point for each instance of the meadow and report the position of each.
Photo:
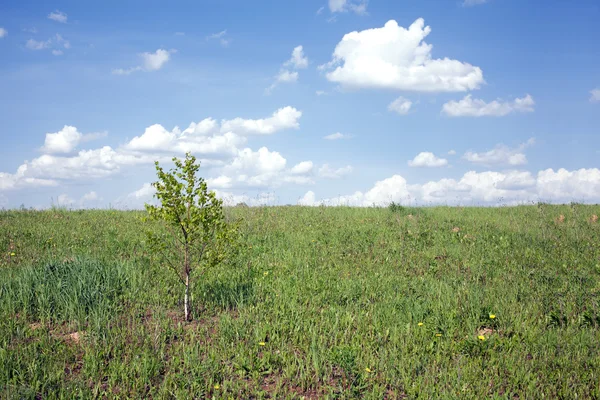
(441, 302)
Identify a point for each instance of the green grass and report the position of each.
(336, 296)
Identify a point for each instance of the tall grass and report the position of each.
(321, 302)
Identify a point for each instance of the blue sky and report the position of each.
(91, 94)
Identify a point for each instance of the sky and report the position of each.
(310, 102)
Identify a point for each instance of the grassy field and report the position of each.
(318, 303)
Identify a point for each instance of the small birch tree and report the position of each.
(197, 233)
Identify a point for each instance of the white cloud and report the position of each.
(452, 152)
(320, 92)
(565, 186)
(469, 107)
(382, 193)
(595, 95)
(262, 161)
(91, 196)
(356, 6)
(19, 181)
(145, 192)
(427, 159)
(204, 127)
(308, 199)
(331, 173)
(221, 182)
(320, 10)
(284, 118)
(32, 44)
(121, 71)
(155, 61)
(65, 201)
(56, 43)
(400, 105)
(58, 16)
(302, 168)
(501, 155)
(66, 140)
(3, 32)
(479, 188)
(150, 62)
(393, 57)
(468, 3)
(220, 36)
(158, 139)
(298, 60)
(336, 136)
(261, 169)
(214, 145)
(286, 75)
(63, 141)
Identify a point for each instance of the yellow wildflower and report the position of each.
(217, 386)
(481, 337)
(12, 254)
(261, 343)
(368, 370)
(492, 316)
(438, 334)
(420, 324)
(266, 273)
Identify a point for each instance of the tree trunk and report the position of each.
(186, 300)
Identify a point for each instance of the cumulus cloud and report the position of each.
(336, 136)
(58, 16)
(393, 57)
(501, 155)
(262, 169)
(302, 168)
(308, 199)
(469, 107)
(55, 43)
(286, 73)
(284, 118)
(145, 192)
(20, 181)
(334, 173)
(150, 62)
(427, 159)
(565, 186)
(216, 146)
(400, 106)
(220, 182)
(158, 139)
(298, 59)
(32, 44)
(64, 200)
(356, 6)
(67, 139)
(221, 37)
(91, 196)
(477, 188)
(3, 32)
(595, 95)
(452, 152)
(286, 77)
